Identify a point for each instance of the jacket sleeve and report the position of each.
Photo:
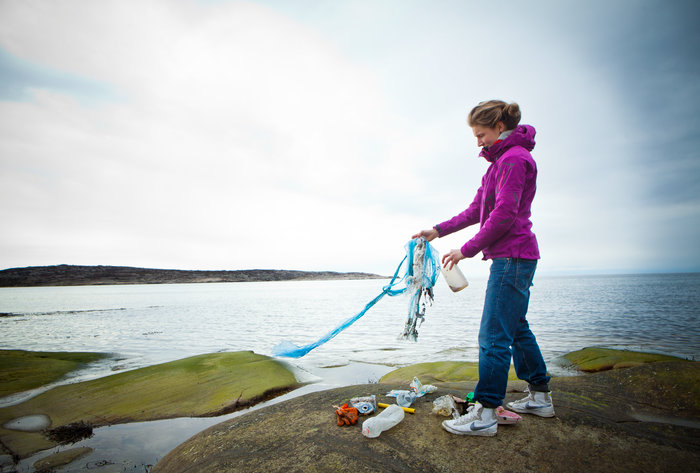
(510, 177)
(469, 217)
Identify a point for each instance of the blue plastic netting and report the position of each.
(420, 275)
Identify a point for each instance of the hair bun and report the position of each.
(512, 109)
(511, 115)
(490, 112)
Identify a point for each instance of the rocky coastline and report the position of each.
(629, 411)
(636, 419)
(73, 275)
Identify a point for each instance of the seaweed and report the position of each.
(70, 433)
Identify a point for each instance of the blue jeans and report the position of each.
(505, 333)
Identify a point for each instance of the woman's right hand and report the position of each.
(429, 235)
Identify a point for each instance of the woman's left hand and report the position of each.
(451, 258)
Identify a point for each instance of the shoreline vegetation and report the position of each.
(73, 275)
(218, 383)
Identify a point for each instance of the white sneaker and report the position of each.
(478, 420)
(536, 402)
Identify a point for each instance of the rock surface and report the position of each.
(438, 372)
(22, 370)
(594, 359)
(644, 418)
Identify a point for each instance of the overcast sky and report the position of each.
(320, 135)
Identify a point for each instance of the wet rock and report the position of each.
(59, 459)
(7, 463)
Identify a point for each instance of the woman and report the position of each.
(502, 208)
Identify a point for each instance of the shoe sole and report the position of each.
(480, 433)
(540, 413)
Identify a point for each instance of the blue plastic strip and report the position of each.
(431, 269)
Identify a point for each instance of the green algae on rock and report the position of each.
(594, 359)
(438, 372)
(22, 370)
(199, 386)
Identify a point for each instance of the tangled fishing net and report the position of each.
(421, 273)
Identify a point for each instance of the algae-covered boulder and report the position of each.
(594, 359)
(24, 370)
(203, 385)
(437, 372)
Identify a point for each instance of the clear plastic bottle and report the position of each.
(455, 278)
(406, 399)
(385, 420)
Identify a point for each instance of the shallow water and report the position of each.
(146, 324)
(31, 423)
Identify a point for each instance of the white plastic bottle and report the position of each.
(455, 278)
(385, 420)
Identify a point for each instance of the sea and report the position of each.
(142, 325)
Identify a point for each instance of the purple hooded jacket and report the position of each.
(502, 203)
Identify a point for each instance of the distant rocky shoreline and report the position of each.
(70, 275)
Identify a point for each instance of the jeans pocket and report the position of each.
(524, 273)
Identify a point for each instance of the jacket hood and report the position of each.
(522, 135)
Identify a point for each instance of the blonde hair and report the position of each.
(490, 112)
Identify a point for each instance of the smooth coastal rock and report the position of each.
(638, 419)
(22, 370)
(199, 386)
(438, 372)
(594, 359)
